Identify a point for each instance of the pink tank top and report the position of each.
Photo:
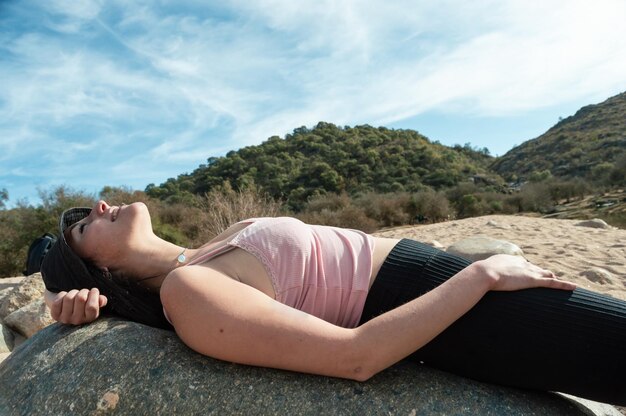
(321, 270)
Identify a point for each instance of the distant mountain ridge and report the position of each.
(587, 144)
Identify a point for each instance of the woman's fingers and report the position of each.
(55, 303)
(76, 306)
(92, 307)
(553, 282)
(80, 303)
(548, 273)
(67, 307)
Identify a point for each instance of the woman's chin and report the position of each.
(138, 208)
(141, 210)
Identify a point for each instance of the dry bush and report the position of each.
(331, 202)
(568, 190)
(469, 206)
(345, 217)
(535, 197)
(182, 215)
(176, 222)
(222, 207)
(386, 209)
(456, 193)
(497, 203)
(429, 206)
(336, 210)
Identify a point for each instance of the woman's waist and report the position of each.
(382, 248)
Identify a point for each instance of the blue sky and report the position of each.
(127, 93)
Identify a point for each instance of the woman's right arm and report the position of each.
(223, 318)
(75, 307)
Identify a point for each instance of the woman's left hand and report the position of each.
(509, 273)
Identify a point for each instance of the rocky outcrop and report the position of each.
(30, 318)
(22, 311)
(7, 339)
(116, 367)
(481, 247)
(28, 290)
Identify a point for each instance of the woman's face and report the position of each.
(108, 234)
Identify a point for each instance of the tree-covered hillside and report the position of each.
(591, 145)
(331, 159)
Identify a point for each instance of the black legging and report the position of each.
(545, 339)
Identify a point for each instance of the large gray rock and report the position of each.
(116, 367)
(594, 223)
(481, 247)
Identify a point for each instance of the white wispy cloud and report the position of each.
(138, 93)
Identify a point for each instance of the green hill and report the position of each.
(331, 159)
(591, 145)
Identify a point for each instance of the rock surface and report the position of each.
(7, 339)
(30, 289)
(598, 275)
(10, 282)
(496, 224)
(595, 223)
(30, 318)
(116, 367)
(481, 247)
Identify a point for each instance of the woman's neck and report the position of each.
(156, 259)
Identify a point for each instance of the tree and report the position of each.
(4, 197)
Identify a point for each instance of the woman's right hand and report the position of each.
(75, 307)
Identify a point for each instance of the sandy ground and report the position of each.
(572, 252)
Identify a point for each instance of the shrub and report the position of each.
(386, 209)
(332, 202)
(540, 176)
(567, 189)
(469, 206)
(601, 173)
(346, 217)
(221, 207)
(428, 206)
(535, 197)
(618, 174)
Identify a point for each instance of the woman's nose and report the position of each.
(101, 207)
